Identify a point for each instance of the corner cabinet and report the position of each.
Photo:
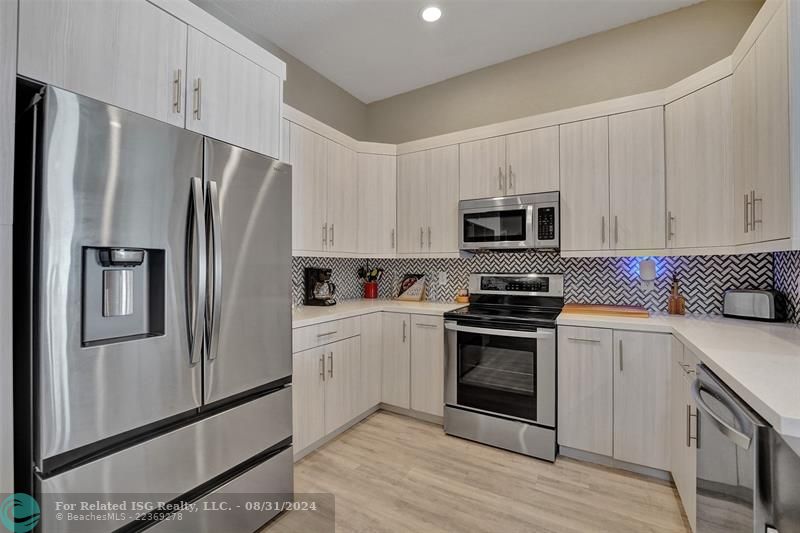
(377, 204)
(342, 199)
(99, 49)
(427, 201)
(232, 98)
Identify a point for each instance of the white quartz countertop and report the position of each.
(758, 360)
(310, 315)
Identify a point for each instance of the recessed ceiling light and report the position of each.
(431, 14)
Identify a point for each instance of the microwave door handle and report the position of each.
(213, 319)
(198, 241)
(500, 332)
(734, 435)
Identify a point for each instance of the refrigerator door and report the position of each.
(248, 316)
(115, 190)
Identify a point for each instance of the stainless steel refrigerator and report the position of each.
(152, 311)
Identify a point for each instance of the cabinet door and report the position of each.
(584, 185)
(427, 364)
(682, 448)
(127, 54)
(343, 376)
(308, 156)
(377, 204)
(396, 364)
(699, 136)
(483, 168)
(641, 398)
(231, 98)
(342, 199)
(585, 389)
(636, 167)
(412, 203)
(442, 178)
(308, 397)
(532, 159)
(745, 144)
(772, 185)
(371, 364)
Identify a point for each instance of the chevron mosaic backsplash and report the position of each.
(603, 280)
(787, 281)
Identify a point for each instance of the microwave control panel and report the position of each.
(546, 219)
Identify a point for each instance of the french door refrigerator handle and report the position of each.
(736, 436)
(214, 310)
(198, 226)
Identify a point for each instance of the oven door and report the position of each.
(497, 227)
(504, 372)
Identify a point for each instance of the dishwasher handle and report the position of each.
(733, 434)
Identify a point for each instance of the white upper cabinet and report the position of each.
(761, 137)
(636, 171)
(342, 199)
(100, 49)
(532, 161)
(584, 185)
(308, 156)
(427, 201)
(483, 168)
(232, 98)
(699, 136)
(377, 204)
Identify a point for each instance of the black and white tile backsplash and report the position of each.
(610, 280)
(787, 281)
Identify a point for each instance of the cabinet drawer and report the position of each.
(325, 333)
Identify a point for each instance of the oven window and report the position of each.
(497, 374)
(495, 226)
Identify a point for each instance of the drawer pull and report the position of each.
(431, 326)
(328, 334)
(576, 339)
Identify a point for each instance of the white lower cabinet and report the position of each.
(371, 364)
(683, 442)
(427, 364)
(613, 394)
(325, 390)
(396, 359)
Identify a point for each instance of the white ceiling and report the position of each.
(375, 49)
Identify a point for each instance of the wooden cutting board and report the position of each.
(607, 310)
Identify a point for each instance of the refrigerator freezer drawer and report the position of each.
(177, 462)
(268, 482)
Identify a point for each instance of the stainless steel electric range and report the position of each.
(500, 369)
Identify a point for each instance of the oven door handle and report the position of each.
(452, 326)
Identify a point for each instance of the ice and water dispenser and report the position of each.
(123, 294)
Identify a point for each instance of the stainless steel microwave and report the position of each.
(512, 222)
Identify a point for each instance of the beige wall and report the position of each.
(643, 56)
(305, 89)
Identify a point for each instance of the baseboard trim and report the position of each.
(419, 415)
(610, 462)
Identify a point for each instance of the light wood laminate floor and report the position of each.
(396, 474)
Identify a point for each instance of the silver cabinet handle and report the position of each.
(736, 436)
(197, 304)
(325, 235)
(603, 229)
(213, 314)
(176, 87)
(746, 213)
(330, 365)
(322, 366)
(510, 178)
(753, 201)
(689, 417)
(327, 334)
(620, 356)
(429, 238)
(332, 234)
(670, 220)
(429, 326)
(500, 178)
(595, 341)
(198, 96)
(616, 229)
(392, 238)
(421, 238)
(404, 331)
